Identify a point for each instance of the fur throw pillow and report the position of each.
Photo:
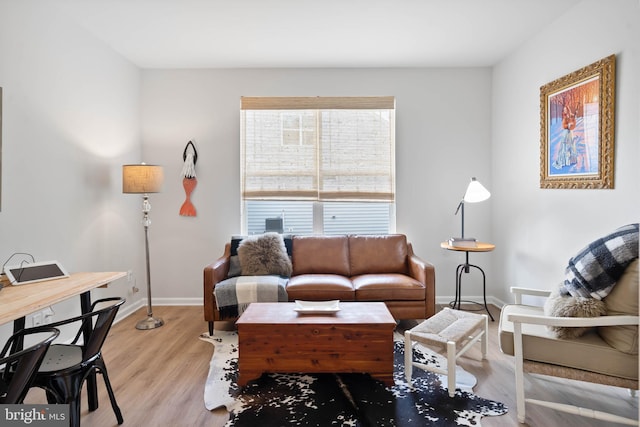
(558, 305)
(264, 254)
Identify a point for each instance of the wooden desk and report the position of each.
(18, 301)
(464, 268)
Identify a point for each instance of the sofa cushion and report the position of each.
(387, 287)
(588, 352)
(378, 254)
(320, 287)
(234, 260)
(264, 254)
(320, 255)
(623, 299)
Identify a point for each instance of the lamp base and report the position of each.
(465, 242)
(149, 323)
(462, 239)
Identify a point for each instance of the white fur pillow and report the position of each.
(567, 306)
(264, 254)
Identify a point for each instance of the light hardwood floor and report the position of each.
(159, 375)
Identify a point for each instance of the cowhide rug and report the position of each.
(349, 400)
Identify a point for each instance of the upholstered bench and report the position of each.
(452, 330)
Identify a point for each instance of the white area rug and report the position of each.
(222, 369)
(221, 388)
(342, 400)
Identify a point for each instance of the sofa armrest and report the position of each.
(611, 320)
(423, 272)
(214, 273)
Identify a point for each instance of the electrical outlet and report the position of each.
(37, 319)
(132, 282)
(47, 315)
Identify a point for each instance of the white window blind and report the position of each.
(318, 148)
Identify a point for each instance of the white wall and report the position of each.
(73, 111)
(70, 120)
(442, 139)
(537, 231)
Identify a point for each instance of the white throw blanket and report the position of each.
(594, 271)
(234, 295)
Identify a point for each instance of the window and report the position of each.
(299, 128)
(323, 164)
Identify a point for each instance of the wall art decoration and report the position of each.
(189, 181)
(577, 121)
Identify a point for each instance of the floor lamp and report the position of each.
(144, 179)
(475, 193)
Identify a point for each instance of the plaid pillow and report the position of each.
(594, 271)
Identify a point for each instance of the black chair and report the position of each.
(19, 366)
(66, 366)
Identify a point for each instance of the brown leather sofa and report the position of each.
(347, 268)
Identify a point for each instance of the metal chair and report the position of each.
(66, 366)
(20, 366)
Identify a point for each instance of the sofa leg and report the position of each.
(210, 328)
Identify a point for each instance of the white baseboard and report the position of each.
(156, 302)
(127, 311)
(477, 299)
(178, 301)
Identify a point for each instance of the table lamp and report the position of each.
(144, 179)
(475, 193)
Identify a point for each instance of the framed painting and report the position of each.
(577, 121)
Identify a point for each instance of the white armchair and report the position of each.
(523, 333)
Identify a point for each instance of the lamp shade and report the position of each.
(476, 192)
(142, 179)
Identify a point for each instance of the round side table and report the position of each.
(465, 267)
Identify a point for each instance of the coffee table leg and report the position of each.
(244, 377)
(386, 379)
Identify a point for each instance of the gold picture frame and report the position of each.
(577, 121)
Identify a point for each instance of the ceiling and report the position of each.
(308, 33)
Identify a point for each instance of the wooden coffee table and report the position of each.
(274, 338)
